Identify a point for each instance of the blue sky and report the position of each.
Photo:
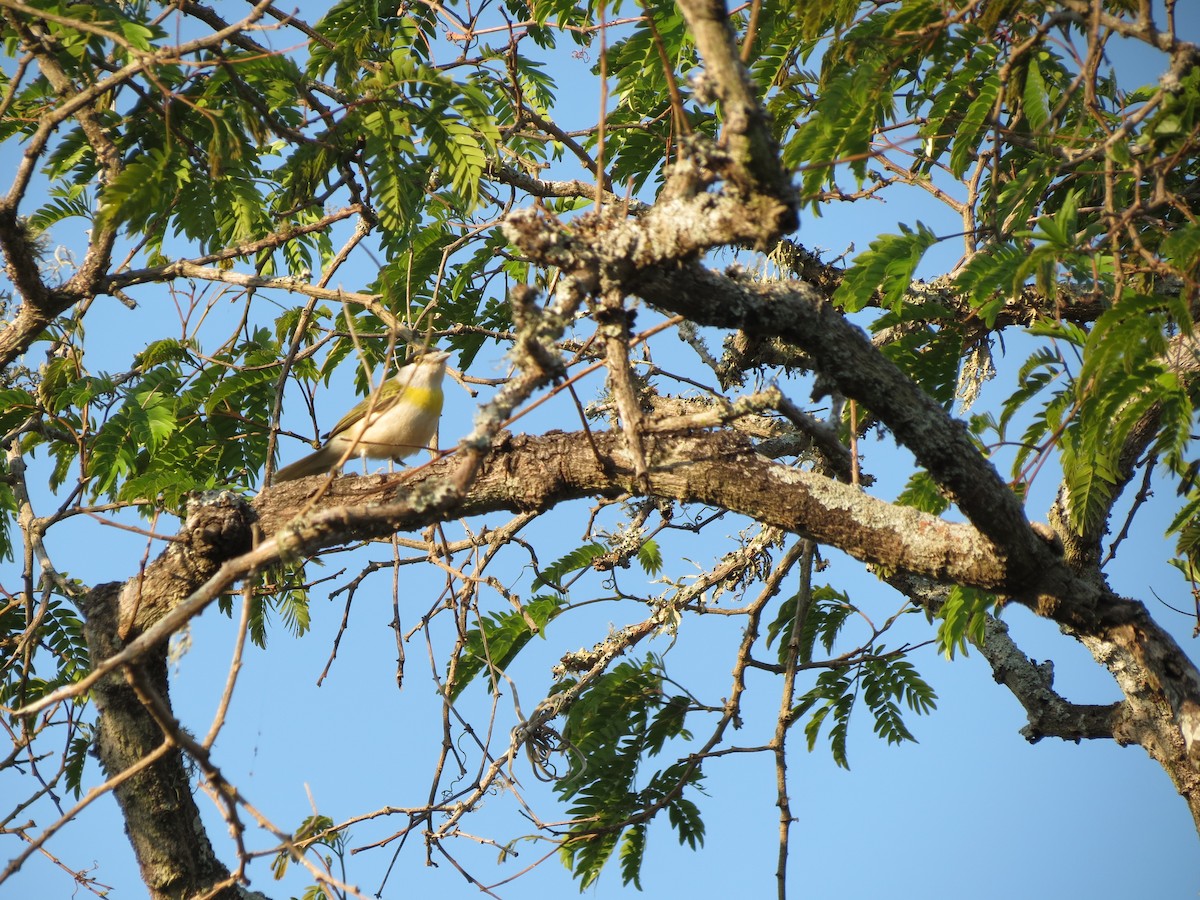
(971, 810)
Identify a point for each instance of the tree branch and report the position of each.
(161, 817)
(644, 255)
(747, 132)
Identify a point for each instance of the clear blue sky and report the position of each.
(972, 810)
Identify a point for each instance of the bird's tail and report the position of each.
(317, 463)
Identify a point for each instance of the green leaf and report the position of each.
(455, 150)
(166, 350)
(979, 114)
(649, 555)
(633, 851)
(922, 492)
(494, 643)
(931, 357)
(684, 815)
(887, 679)
(887, 267)
(1034, 100)
(76, 757)
(293, 609)
(1059, 228)
(851, 106)
(1182, 247)
(833, 696)
(1186, 525)
(667, 723)
(235, 391)
(956, 77)
(990, 280)
(577, 559)
(827, 613)
(68, 201)
(15, 407)
(622, 718)
(147, 184)
(1123, 382)
(962, 616)
(8, 510)
(395, 181)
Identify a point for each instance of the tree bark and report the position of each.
(162, 820)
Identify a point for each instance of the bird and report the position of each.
(403, 418)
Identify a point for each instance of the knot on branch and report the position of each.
(217, 528)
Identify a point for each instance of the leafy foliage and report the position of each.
(922, 493)
(495, 642)
(881, 680)
(623, 717)
(963, 616)
(577, 559)
(888, 266)
(316, 831)
(58, 656)
(827, 613)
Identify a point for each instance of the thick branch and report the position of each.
(718, 469)
(643, 255)
(218, 528)
(173, 851)
(715, 468)
(1032, 683)
(747, 128)
(846, 357)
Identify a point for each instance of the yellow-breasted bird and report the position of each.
(404, 415)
